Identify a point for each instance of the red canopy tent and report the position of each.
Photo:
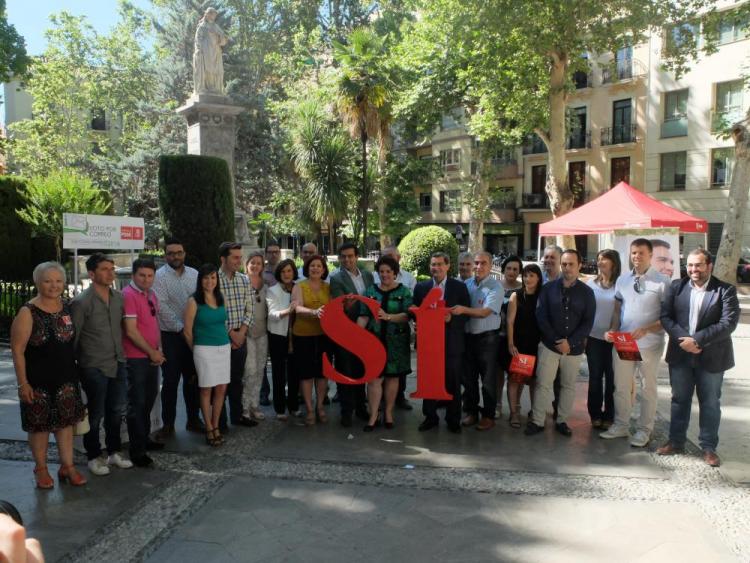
(622, 207)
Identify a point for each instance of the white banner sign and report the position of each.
(102, 232)
(666, 243)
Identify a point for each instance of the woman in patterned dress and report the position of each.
(42, 343)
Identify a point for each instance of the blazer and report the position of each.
(277, 300)
(719, 315)
(455, 294)
(342, 284)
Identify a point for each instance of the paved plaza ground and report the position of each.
(283, 492)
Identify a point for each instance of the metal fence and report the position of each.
(13, 294)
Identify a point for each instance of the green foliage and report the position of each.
(15, 235)
(14, 60)
(46, 198)
(417, 246)
(396, 187)
(195, 198)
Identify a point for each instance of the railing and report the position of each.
(13, 294)
(725, 118)
(534, 146)
(625, 69)
(579, 140)
(503, 199)
(674, 127)
(534, 201)
(618, 134)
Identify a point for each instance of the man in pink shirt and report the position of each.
(141, 343)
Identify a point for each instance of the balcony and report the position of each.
(579, 140)
(502, 199)
(624, 69)
(534, 146)
(617, 135)
(674, 127)
(723, 119)
(534, 201)
(583, 80)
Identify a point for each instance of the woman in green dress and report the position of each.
(391, 326)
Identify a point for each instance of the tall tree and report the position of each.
(510, 64)
(14, 60)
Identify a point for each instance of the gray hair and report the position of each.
(43, 267)
(553, 247)
(465, 255)
(485, 254)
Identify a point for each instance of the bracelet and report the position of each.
(22, 385)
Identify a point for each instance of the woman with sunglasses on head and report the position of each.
(41, 340)
(511, 268)
(598, 350)
(206, 334)
(257, 337)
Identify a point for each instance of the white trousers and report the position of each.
(625, 385)
(257, 351)
(547, 364)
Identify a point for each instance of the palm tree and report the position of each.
(363, 101)
(323, 157)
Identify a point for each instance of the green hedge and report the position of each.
(15, 236)
(195, 198)
(417, 246)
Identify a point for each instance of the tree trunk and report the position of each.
(385, 239)
(728, 255)
(478, 205)
(365, 202)
(558, 191)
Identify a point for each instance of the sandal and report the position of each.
(515, 420)
(322, 416)
(218, 437)
(310, 419)
(43, 478)
(68, 473)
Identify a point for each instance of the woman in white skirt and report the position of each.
(206, 334)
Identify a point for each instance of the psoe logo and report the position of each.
(131, 233)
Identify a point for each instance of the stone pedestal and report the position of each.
(212, 131)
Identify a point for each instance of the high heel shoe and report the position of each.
(68, 473)
(515, 420)
(310, 419)
(322, 416)
(218, 437)
(43, 478)
(388, 425)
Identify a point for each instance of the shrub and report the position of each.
(15, 234)
(417, 246)
(195, 199)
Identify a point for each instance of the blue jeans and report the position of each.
(143, 386)
(684, 378)
(601, 380)
(107, 399)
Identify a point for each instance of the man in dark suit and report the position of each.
(699, 314)
(454, 293)
(348, 280)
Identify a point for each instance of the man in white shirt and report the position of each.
(639, 295)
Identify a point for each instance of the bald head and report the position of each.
(393, 252)
(308, 249)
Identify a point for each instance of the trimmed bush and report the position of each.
(15, 235)
(195, 199)
(417, 246)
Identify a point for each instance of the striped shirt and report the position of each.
(235, 292)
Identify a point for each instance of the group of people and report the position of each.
(214, 328)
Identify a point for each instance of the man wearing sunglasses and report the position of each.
(142, 346)
(639, 295)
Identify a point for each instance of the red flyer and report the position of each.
(522, 365)
(626, 346)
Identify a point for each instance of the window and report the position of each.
(452, 120)
(621, 122)
(503, 157)
(619, 171)
(425, 201)
(538, 179)
(474, 168)
(714, 237)
(577, 181)
(450, 201)
(675, 114)
(98, 120)
(577, 136)
(450, 160)
(722, 163)
(681, 35)
(733, 27)
(673, 171)
(728, 106)
(502, 198)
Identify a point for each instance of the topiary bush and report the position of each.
(15, 235)
(195, 199)
(417, 246)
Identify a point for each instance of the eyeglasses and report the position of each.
(152, 307)
(257, 295)
(637, 285)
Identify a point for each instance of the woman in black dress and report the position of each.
(523, 334)
(41, 340)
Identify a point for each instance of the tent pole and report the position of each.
(539, 248)
(705, 241)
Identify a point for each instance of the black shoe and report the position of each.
(428, 424)
(454, 427)
(404, 405)
(363, 415)
(154, 446)
(195, 425)
(564, 429)
(264, 401)
(368, 427)
(532, 428)
(346, 420)
(246, 421)
(142, 461)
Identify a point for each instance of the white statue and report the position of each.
(208, 68)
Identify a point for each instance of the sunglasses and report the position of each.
(637, 285)
(152, 307)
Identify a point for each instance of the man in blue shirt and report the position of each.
(565, 314)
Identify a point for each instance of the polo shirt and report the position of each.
(485, 294)
(643, 307)
(136, 305)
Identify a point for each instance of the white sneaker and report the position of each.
(615, 431)
(282, 417)
(118, 461)
(257, 414)
(98, 466)
(640, 439)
